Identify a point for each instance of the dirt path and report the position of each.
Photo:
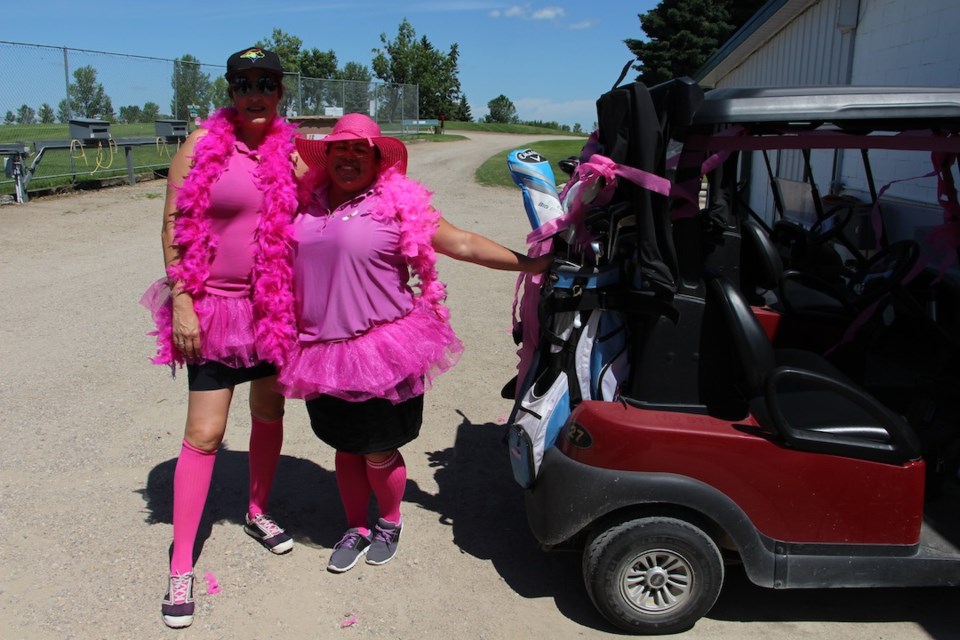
(91, 432)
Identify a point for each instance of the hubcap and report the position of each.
(657, 581)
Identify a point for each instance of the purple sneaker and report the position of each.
(263, 528)
(177, 605)
(345, 554)
(386, 537)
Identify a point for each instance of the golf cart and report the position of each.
(790, 402)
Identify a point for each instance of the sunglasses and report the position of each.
(242, 86)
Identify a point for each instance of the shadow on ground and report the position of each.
(304, 494)
(480, 500)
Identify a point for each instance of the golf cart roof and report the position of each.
(891, 108)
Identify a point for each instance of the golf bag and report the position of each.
(582, 355)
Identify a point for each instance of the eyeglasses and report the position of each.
(242, 86)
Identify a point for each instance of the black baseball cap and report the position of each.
(254, 58)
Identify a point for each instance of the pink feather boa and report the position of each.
(273, 308)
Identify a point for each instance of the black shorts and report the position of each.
(211, 376)
(371, 426)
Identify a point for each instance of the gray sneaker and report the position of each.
(348, 551)
(386, 536)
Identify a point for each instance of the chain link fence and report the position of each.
(122, 107)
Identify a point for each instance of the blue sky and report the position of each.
(552, 59)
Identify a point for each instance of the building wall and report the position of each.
(892, 42)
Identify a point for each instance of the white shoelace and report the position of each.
(270, 527)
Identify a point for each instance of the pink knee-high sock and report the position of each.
(388, 479)
(191, 483)
(354, 489)
(266, 439)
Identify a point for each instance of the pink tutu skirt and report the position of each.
(227, 333)
(395, 361)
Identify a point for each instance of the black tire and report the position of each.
(653, 575)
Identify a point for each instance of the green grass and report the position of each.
(92, 164)
(494, 171)
(34, 132)
(507, 128)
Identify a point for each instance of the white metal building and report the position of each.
(853, 42)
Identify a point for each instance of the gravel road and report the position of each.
(92, 432)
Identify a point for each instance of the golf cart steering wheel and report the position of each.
(833, 222)
(883, 271)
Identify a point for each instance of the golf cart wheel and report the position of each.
(653, 575)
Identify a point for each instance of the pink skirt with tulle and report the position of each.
(227, 330)
(395, 361)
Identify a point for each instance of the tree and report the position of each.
(46, 114)
(501, 110)
(26, 115)
(356, 87)
(683, 34)
(63, 111)
(191, 86)
(150, 112)
(309, 64)
(87, 96)
(219, 93)
(286, 47)
(9, 118)
(316, 93)
(407, 60)
(131, 113)
(461, 112)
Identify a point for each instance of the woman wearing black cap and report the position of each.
(223, 309)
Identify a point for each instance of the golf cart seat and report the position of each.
(803, 294)
(800, 398)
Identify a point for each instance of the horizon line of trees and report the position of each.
(681, 36)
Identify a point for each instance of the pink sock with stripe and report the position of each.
(388, 479)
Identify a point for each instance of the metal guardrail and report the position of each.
(17, 155)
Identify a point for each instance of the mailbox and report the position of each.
(88, 129)
(171, 128)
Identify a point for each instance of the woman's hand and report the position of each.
(186, 326)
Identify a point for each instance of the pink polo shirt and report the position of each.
(348, 273)
(235, 203)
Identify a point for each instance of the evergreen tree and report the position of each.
(9, 118)
(461, 112)
(683, 34)
(407, 60)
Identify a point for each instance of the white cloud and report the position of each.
(569, 112)
(526, 12)
(548, 13)
(584, 24)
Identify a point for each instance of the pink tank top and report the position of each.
(348, 273)
(235, 202)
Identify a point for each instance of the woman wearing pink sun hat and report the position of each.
(368, 345)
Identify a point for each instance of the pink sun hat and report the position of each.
(354, 126)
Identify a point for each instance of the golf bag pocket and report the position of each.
(538, 421)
